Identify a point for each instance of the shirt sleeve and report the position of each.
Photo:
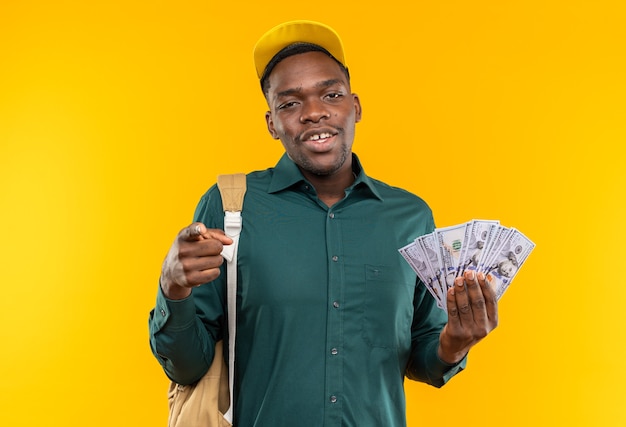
(428, 321)
(183, 332)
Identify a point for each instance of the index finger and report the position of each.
(456, 298)
(198, 231)
(193, 232)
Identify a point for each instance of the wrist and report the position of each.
(450, 359)
(449, 356)
(172, 290)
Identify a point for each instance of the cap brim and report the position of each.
(292, 32)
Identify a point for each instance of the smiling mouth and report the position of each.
(318, 136)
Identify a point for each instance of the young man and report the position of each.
(330, 317)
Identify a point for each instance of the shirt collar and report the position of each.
(286, 174)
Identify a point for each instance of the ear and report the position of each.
(357, 107)
(270, 125)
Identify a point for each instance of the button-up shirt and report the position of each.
(330, 318)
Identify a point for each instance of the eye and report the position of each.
(287, 105)
(333, 96)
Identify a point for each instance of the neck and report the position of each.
(331, 188)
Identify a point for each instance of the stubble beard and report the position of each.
(307, 165)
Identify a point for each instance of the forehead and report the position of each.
(305, 69)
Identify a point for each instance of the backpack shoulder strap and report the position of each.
(232, 190)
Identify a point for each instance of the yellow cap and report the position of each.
(292, 32)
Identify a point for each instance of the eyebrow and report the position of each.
(321, 84)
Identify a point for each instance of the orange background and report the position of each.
(116, 116)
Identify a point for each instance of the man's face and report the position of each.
(313, 112)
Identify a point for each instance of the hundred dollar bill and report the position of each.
(474, 244)
(413, 254)
(429, 248)
(450, 242)
(507, 261)
(497, 235)
(479, 245)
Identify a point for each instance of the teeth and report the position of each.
(320, 136)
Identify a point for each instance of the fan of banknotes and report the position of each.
(479, 245)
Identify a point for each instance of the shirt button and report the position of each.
(334, 351)
(332, 215)
(162, 312)
(333, 399)
(335, 258)
(336, 304)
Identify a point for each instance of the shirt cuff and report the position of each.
(174, 314)
(439, 371)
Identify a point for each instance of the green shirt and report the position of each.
(330, 316)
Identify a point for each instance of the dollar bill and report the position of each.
(507, 260)
(413, 254)
(430, 250)
(475, 243)
(495, 240)
(450, 242)
(479, 245)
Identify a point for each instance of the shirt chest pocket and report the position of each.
(387, 307)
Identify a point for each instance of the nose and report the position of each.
(313, 111)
